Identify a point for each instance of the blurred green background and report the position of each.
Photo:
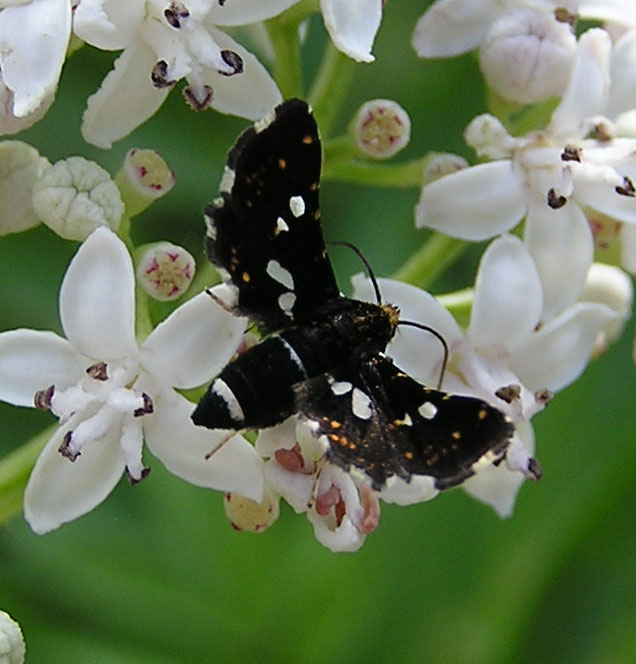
(157, 575)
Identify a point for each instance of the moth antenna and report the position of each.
(220, 444)
(438, 336)
(367, 266)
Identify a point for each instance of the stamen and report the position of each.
(147, 408)
(98, 371)
(234, 60)
(42, 398)
(65, 448)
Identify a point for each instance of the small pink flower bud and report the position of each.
(144, 177)
(246, 514)
(382, 128)
(165, 271)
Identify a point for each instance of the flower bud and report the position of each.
(382, 128)
(246, 514)
(527, 55)
(487, 136)
(12, 649)
(165, 270)
(20, 166)
(143, 178)
(441, 164)
(609, 285)
(75, 196)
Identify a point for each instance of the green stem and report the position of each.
(430, 260)
(330, 87)
(406, 174)
(283, 33)
(15, 469)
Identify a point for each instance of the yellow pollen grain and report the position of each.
(408, 455)
(335, 424)
(246, 277)
(482, 414)
(307, 139)
(334, 437)
(282, 164)
(456, 435)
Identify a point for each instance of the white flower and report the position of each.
(162, 43)
(33, 40)
(510, 356)
(341, 513)
(20, 167)
(110, 394)
(554, 178)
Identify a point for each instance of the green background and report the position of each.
(157, 575)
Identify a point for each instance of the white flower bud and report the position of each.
(12, 647)
(246, 514)
(165, 271)
(488, 137)
(75, 196)
(609, 285)
(20, 166)
(442, 164)
(144, 177)
(527, 55)
(382, 128)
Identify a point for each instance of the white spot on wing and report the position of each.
(281, 224)
(297, 206)
(227, 181)
(427, 410)
(277, 272)
(293, 355)
(221, 388)
(265, 122)
(286, 302)
(361, 404)
(341, 387)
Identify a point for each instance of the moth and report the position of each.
(322, 356)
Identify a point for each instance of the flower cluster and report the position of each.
(555, 196)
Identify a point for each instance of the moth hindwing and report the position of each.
(322, 356)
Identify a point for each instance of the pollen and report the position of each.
(335, 424)
(334, 437)
(456, 435)
(307, 139)
(482, 414)
(282, 164)
(409, 455)
(246, 277)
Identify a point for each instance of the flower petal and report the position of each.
(451, 27)
(587, 92)
(352, 25)
(508, 297)
(561, 245)
(245, 12)
(250, 94)
(194, 343)
(181, 447)
(31, 360)
(475, 203)
(401, 492)
(557, 354)
(601, 195)
(109, 25)
(498, 486)
(60, 490)
(97, 298)
(126, 98)
(416, 351)
(33, 42)
(623, 75)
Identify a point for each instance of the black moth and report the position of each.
(322, 357)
